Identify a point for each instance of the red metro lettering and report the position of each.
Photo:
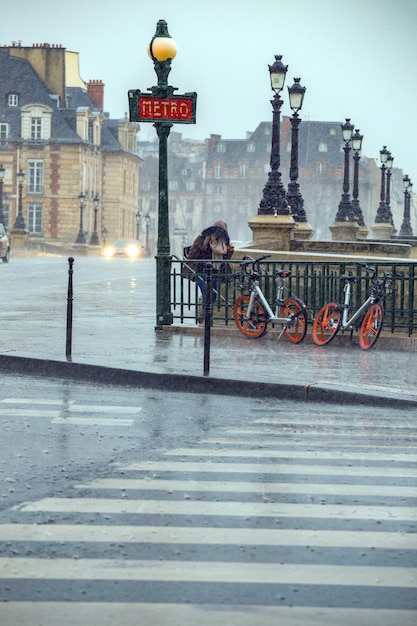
(180, 109)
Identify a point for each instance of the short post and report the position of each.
(208, 310)
(69, 310)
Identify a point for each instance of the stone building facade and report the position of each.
(54, 129)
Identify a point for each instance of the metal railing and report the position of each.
(315, 282)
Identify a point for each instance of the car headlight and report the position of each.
(132, 251)
(109, 251)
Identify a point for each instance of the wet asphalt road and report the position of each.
(138, 506)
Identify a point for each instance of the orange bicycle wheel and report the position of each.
(296, 328)
(255, 326)
(371, 326)
(326, 324)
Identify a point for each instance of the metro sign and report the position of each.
(145, 107)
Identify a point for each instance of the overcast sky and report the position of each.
(357, 59)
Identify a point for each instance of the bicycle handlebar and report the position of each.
(254, 262)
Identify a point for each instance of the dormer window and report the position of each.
(36, 122)
(13, 100)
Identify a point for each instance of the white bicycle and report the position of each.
(252, 311)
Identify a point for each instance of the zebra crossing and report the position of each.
(69, 412)
(298, 515)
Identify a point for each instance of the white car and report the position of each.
(4, 245)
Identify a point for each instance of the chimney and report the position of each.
(95, 90)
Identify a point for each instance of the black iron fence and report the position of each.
(315, 282)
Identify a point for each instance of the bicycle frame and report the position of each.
(257, 293)
(346, 323)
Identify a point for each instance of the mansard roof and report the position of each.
(17, 76)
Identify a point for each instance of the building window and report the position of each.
(173, 185)
(243, 169)
(221, 147)
(13, 100)
(218, 170)
(190, 206)
(322, 147)
(251, 147)
(4, 132)
(217, 190)
(190, 185)
(35, 213)
(36, 128)
(35, 177)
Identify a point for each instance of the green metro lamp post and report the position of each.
(294, 197)
(163, 108)
(406, 230)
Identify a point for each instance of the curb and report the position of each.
(317, 392)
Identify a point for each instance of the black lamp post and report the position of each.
(356, 208)
(294, 197)
(147, 218)
(20, 221)
(406, 230)
(2, 216)
(345, 213)
(382, 214)
(94, 240)
(162, 49)
(388, 165)
(81, 237)
(274, 200)
(138, 219)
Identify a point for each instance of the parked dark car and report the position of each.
(124, 247)
(4, 245)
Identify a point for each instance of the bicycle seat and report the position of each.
(349, 279)
(283, 273)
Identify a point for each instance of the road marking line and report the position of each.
(271, 468)
(236, 509)
(222, 486)
(93, 421)
(175, 614)
(279, 454)
(214, 536)
(206, 571)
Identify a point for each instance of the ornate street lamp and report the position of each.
(345, 213)
(94, 240)
(162, 50)
(138, 220)
(2, 216)
(388, 165)
(357, 147)
(406, 230)
(382, 214)
(274, 200)
(294, 197)
(81, 237)
(20, 221)
(147, 219)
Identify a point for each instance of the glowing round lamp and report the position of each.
(162, 47)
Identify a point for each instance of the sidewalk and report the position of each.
(174, 359)
(115, 342)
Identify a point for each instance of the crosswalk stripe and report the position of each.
(153, 614)
(362, 432)
(325, 443)
(93, 421)
(267, 468)
(206, 571)
(277, 454)
(239, 509)
(213, 536)
(203, 486)
(350, 422)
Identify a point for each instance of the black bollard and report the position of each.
(208, 310)
(69, 310)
